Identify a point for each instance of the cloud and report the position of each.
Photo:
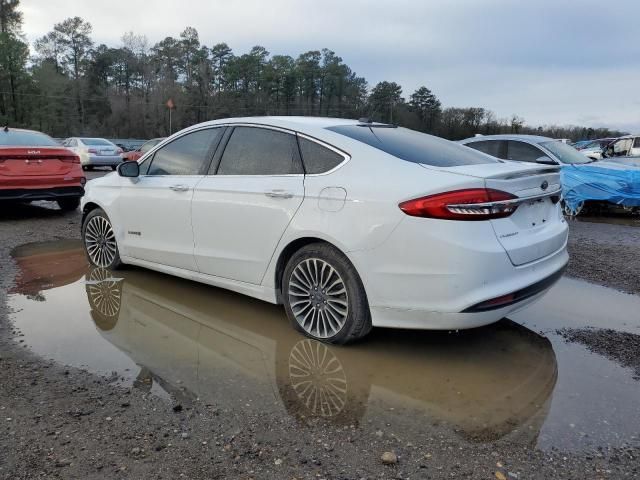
(546, 60)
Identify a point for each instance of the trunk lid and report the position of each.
(104, 150)
(537, 228)
(34, 161)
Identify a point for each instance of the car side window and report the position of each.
(316, 158)
(523, 152)
(495, 148)
(147, 146)
(636, 142)
(260, 151)
(186, 155)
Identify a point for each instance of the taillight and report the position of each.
(468, 204)
(74, 159)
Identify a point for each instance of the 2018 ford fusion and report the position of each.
(349, 224)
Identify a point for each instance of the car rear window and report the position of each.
(95, 141)
(16, 138)
(413, 146)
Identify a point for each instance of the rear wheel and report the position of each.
(68, 204)
(572, 212)
(100, 240)
(323, 295)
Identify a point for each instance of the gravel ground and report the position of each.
(607, 254)
(621, 347)
(66, 423)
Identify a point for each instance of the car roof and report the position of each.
(300, 124)
(524, 138)
(11, 129)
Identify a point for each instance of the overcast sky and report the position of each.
(562, 61)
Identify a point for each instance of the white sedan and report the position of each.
(349, 224)
(95, 152)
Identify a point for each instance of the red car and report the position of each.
(134, 155)
(34, 167)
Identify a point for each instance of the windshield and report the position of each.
(413, 146)
(21, 138)
(565, 153)
(95, 141)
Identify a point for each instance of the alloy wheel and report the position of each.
(318, 298)
(100, 241)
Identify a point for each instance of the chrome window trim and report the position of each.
(346, 157)
(322, 143)
(266, 127)
(169, 140)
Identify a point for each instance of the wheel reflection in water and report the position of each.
(317, 377)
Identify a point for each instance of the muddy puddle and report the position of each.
(515, 381)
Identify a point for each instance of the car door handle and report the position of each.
(179, 188)
(278, 194)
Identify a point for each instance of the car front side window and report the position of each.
(187, 155)
(260, 151)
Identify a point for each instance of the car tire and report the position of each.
(572, 213)
(323, 295)
(99, 241)
(113, 167)
(68, 204)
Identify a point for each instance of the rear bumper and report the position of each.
(428, 320)
(432, 274)
(54, 193)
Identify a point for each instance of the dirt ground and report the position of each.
(61, 422)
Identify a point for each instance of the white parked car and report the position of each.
(349, 224)
(95, 152)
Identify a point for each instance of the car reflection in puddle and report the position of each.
(197, 342)
(224, 347)
(194, 343)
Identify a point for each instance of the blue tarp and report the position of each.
(601, 181)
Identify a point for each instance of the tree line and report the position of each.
(70, 86)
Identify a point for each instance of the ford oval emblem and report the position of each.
(544, 185)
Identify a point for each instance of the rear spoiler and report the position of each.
(527, 173)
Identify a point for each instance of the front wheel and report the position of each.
(323, 295)
(100, 240)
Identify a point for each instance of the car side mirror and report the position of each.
(545, 160)
(129, 169)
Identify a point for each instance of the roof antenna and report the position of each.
(6, 128)
(365, 120)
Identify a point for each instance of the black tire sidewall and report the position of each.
(68, 204)
(98, 212)
(358, 322)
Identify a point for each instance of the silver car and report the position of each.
(95, 152)
(527, 148)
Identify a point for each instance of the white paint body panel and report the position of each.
(237, 224)
(417, 272)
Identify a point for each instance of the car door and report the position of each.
(242, 208)
(155, 208)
